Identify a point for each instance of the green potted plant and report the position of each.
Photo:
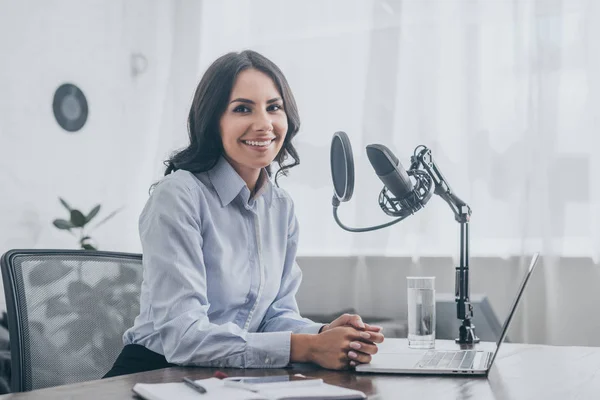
(78, 221)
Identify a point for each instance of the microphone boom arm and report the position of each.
(461, 210)
(462, 214)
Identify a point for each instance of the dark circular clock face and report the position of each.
(70, 107)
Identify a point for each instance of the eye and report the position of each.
(275, 107)
(241, 109)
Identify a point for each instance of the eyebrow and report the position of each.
(242, 100)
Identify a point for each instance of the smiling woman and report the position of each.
(236, 91)
(254, 125)
(219, 240)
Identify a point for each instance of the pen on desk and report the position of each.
(197, 387)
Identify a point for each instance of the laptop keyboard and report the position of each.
(462, 359)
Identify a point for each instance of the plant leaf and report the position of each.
(37, 327)
(80, 332)
(128, 275)
(127, 304)
(109, 216)
(48, 272)
(109, 321)
(77, 218)
(80, 294)
(63, 224)
(65, 204)
(104, 355)
(105, 287)
(86, 243)
(92, 213)
(56, 305)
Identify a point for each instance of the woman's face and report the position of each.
(254, 125)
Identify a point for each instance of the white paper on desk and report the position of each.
(215, 389)
(180, 391)
(322, 391)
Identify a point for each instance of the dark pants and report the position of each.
(135, 358)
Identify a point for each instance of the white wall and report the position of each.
(116, 156)
(84, 43)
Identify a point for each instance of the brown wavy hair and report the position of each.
(209, 104)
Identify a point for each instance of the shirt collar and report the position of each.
(229, 184)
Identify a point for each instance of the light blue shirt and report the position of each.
(220, 275)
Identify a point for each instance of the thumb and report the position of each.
(356, 321)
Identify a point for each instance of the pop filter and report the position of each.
(342, 166)
(342, 173)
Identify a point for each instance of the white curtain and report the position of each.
(505, 93)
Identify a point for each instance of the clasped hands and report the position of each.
(347, 341)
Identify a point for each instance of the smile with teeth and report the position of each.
(262, 143)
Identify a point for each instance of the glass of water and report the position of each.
(421, 312)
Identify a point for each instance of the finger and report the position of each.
(341, 320)
(362, 347)
(359, 357)
(376, 337)
(352, 363)
(355, 321)
(373, 337)
(373, 328)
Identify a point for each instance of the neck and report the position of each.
(249, 175)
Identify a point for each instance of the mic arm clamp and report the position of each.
(462, 214)
(423, 158)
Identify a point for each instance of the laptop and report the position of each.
(445, 362)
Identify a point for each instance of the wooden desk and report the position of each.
(520, 372)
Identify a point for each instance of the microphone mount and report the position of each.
(462, 214)
(427, 179)
(413, 202)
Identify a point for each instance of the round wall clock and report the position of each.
(70, 107)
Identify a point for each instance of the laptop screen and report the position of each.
(514, 305)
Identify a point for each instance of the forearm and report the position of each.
(209, 345)
(301, 348)
(290, 322)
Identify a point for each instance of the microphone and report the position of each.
(405, 192)
(407, 197)
(342, 174)
(389, 170)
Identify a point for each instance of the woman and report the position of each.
(219, 240)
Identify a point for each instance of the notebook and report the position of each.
(216, 389)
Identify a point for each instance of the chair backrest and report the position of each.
(67, 311)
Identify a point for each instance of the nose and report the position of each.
(262, 122)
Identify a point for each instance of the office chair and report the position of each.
(67, 311)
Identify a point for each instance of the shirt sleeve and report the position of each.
(283, 313)
(174, 269)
